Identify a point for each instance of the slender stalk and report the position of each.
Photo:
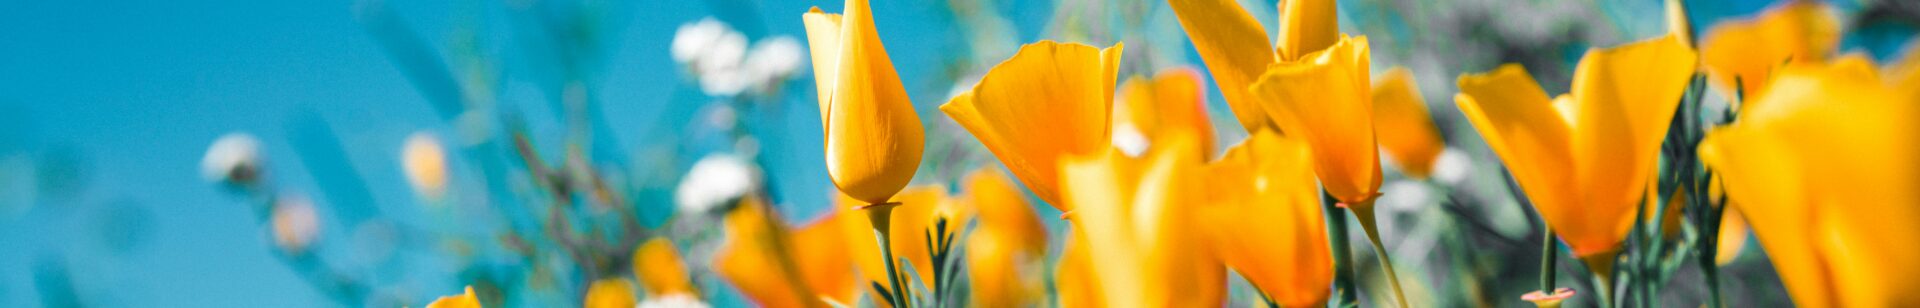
(1342, 258)
(1364, 213)
(881, 217)
(1548, 254)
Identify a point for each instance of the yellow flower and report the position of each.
(1001, 206)
(1073, 276)
(1265, 219)
(1402, 123)
(1002, 273)
(464, 300)
(1238, 51)
(659, 268)
(609, 293)
(1005, 251)
(873, 137)
(821, 250)
(777, 268)
(1584, 159)
(1050, 101)
(1753, 49)
(1174, 100)
(1823, 168)
(1327, 100)
(1144, 247)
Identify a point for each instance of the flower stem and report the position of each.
(1342, 258)
(881, 216)
(1364, 213)
(1547, 257)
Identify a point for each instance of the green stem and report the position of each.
(881, 217)
(1547, 257)
(1342, 258)
(1364, 213)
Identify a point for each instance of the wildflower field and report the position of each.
(960, 153)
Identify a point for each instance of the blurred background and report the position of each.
(390, 152)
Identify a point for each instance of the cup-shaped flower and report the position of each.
(1050, 101)
(1823, 167)
(1008, 247)
(609, 293)
(1264, 219)
(1136, 215)
(1001, 206)
(463, 300)
(1403, 125)
(1326, 99)
(873, 138)
(1173, 102)
(1584, 159)
(660, 270)
(1752, 50)
(780, 268)
(1238, 50)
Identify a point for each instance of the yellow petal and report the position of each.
(1149, 252)
(660, 270)
(1752, 50)
(821, 251)
(1326, 100)
(464, 300)
(1272, 232)
(1073, 276)
(1002, 273)
(1405, 128)
(1519, 122)
(1002, 207)
(1822, 166)
(1173, 102)
(1235, 49)
(752, 259)
(1626, 98)
(1732, 238)
(823, 44)
(874, 139)
(1049, 101)
(1307, 26)
(609, 293)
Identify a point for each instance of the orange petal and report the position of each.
(751, 259)
(609, 293)
(1519, 122)
(1405, 128)
(463, 300)
(1307, 26)
(823, 43)
(1003, 207)
(874, 139)
(1327, 101)
(1148, 249)
(1235, 49)
(660, 269)
(1752, 50)
(1173, 102)
(1051, 100)
(1272, 233)
(1626, 98)
(1002, 273)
